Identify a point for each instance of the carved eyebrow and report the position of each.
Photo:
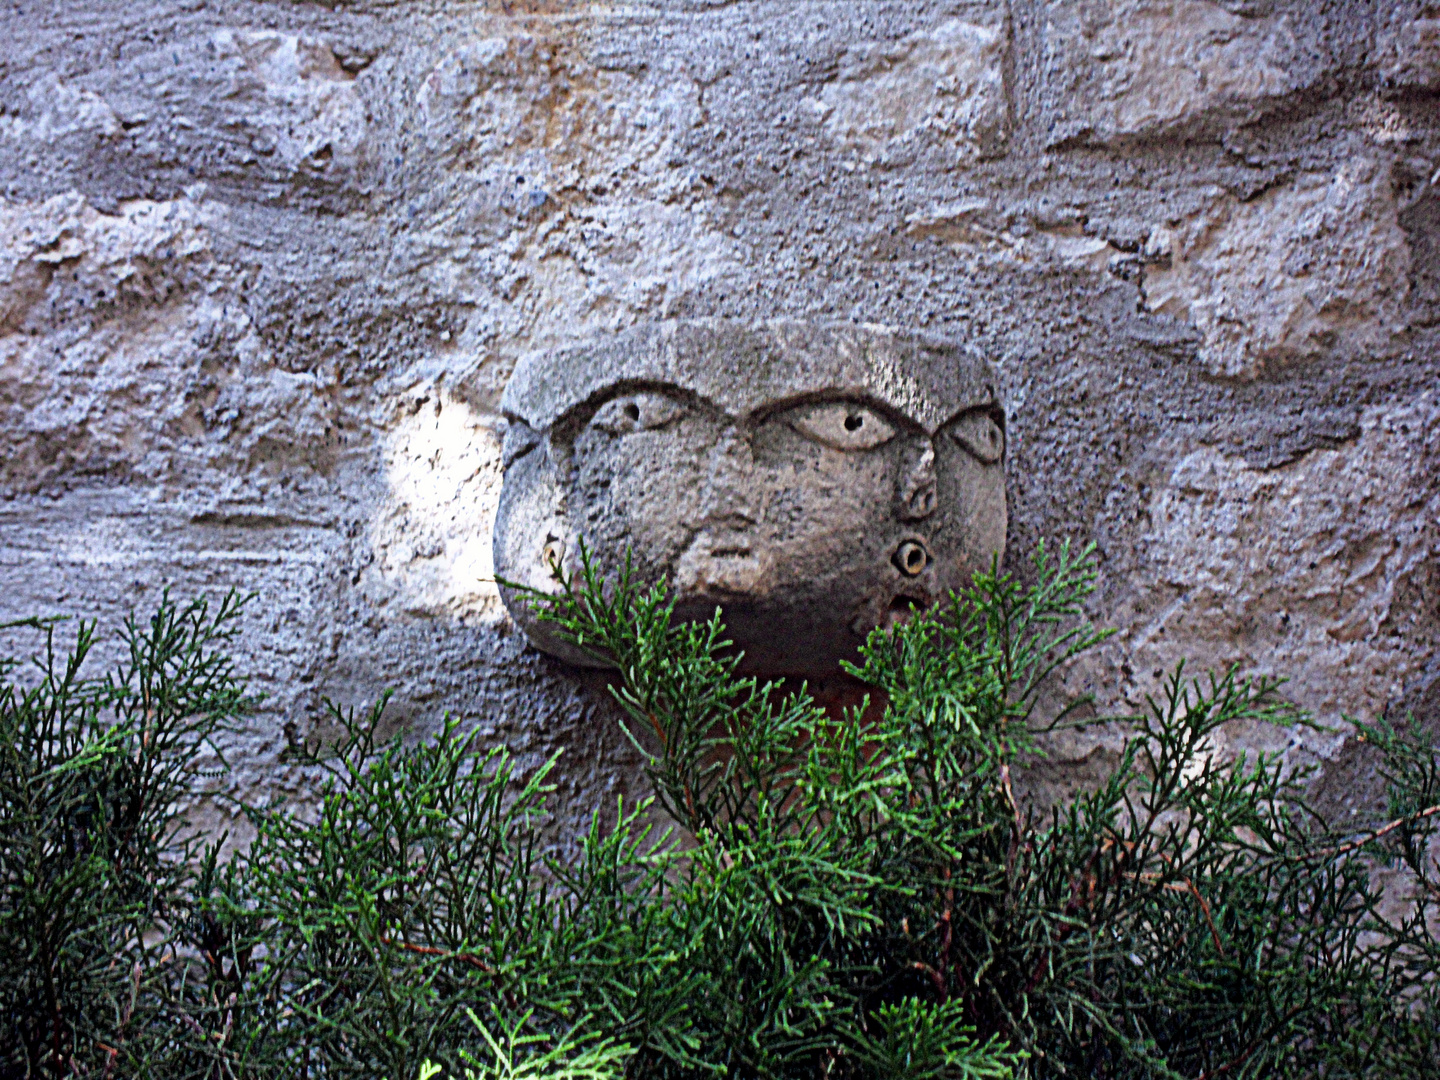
(578, 415)
(992, 410)
(519, 439)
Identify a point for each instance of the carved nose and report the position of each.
(915, 496)
(728, 487)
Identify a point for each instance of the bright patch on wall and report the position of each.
(431, 536)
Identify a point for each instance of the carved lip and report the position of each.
(903, 607)
(718, 565)
(730, 551)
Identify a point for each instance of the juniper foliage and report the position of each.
(94, 860)
(856, 894)
(1191, 918)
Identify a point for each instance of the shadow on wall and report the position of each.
(1352, 785)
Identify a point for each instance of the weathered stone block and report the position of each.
(301, 106)
(815, 481)
(1126, 69)
(1315, 263)
(944, 86)
(1410, 55)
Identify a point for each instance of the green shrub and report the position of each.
(94, 862)
(847, 896)
(1190, 918)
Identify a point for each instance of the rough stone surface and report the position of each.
(814, 481)
(1326, 251)
(267, 265)
(1130, 69)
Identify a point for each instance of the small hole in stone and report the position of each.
(632, 411)
(911, 558)
(854, 423)
(553, 552)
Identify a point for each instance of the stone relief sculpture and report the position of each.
(813, 480)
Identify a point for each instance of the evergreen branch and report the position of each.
(1373, 835)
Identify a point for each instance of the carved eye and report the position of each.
(979, 434)
(552, 553)
(843, 425)
(636, 412)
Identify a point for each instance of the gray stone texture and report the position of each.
(814, 481)
(266, 267)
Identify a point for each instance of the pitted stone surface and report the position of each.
(1152, 68)
(813, 480)
(1325, 251)
(266, 268)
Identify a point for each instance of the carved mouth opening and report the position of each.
(902, 609)
(729, 552)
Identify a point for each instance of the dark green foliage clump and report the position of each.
(94, 865)
(1189, 919)
(855, 895)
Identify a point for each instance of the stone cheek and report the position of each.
(809, 524)
(642, 488)
(972, 510)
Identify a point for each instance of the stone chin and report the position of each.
(812, 480)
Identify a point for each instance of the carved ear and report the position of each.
(637, 412)
(980, 435)
(843, 425)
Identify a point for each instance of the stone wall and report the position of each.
(265, 268)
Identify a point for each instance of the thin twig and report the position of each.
(426, 950)
(1209, 919)
(1010, 795)
(655, 723)
(935, 976)
(1370, 838)
(1235, 1063)
(946, 938)
(1189, 887)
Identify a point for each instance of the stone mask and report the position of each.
(813, 480)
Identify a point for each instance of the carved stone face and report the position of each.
(813, 481)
